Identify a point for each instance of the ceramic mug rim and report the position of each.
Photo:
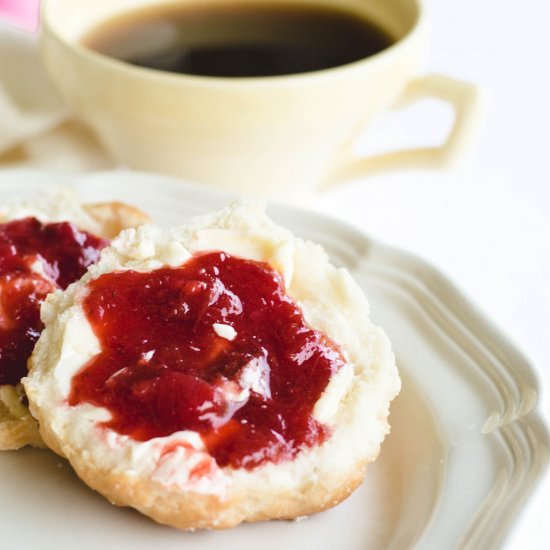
(369, 63)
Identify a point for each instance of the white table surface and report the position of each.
(486, 225)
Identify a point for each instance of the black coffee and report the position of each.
(236, 40)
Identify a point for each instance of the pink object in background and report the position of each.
(24, 14)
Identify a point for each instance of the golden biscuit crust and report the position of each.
(188, 510)
(17, 432)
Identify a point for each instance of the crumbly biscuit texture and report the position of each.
(17, 427)
(159, 483)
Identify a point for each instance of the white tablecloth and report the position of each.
(487, 225)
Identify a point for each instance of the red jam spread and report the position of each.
(164, 367)
(35, 259)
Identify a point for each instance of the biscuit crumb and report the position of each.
(225, 331)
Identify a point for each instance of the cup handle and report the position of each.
(467, 102)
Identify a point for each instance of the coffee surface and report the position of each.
(238, 39)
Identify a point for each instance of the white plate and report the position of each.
(467, 447)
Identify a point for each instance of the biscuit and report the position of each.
(199, 472)
(17, 427)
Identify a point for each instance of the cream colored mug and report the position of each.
(281, 137)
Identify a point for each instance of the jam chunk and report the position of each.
(215, 346)
(35, 259)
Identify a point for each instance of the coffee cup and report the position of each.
(283, 137)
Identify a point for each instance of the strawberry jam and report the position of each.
(215, 346)
(35, 259)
